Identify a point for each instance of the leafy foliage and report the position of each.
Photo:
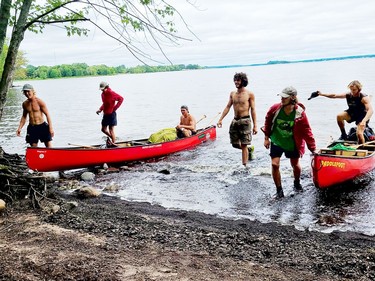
(82, 69)
(119, 19)
(124, 21)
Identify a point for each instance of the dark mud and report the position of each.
(110, 239)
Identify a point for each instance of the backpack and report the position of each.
(163, 135)
(368, 134)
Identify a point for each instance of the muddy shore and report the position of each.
(105, 238)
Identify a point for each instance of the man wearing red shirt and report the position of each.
(287, 130)
(111, 102)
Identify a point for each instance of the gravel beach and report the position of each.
(105, 238)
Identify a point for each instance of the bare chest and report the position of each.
(185, 120)
(240, 98)
(33, 106)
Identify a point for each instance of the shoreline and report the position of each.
(107, 238)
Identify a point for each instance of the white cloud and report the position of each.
(232, 32)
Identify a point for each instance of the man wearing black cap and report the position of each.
(38, 128)
(287, 130)
(187, 125)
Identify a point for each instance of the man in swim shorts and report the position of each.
(38, 128)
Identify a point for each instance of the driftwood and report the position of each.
(16, 181)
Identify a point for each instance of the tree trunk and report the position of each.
(10, 61)
(4, 19)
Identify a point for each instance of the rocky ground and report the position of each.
(109, 239)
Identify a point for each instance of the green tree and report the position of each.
(92, 70)
(152, 18)
(30, 71)
(41, 72)
(66, 70)
(2, 57)
(54, 72)
(20, 66)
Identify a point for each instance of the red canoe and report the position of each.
(334, 167)
(66, 158)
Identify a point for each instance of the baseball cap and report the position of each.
(184, 107)
(288, 91)
(103, 85)
(27, 87)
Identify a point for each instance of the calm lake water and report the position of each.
(211, 178)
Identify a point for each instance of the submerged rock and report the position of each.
(88, 176)
(112, 188)
(2, 205)
(86, 192)
(164, 171)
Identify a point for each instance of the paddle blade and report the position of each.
(313, 95)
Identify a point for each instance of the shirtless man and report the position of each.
(187, 125)
(38, 128)
(243, 102)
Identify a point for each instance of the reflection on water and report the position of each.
(211, 178)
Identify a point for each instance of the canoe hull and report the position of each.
(332, 170)
(59, 159)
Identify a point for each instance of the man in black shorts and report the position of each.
(359, 110)
(38, 128)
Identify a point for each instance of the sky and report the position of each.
(228, 33)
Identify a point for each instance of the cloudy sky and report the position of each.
(230, 32)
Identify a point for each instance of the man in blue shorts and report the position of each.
(111, 102)
(287, 131)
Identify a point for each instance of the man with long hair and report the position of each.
(243, 102)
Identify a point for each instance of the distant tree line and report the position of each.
(82, 69)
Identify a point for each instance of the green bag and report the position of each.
(340, 146)
(163, 135)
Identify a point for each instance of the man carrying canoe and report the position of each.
(359, 109)
(243, 102)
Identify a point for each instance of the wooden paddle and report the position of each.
(362, 144)
(81, 145)
(212, 120)
(203, 117)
